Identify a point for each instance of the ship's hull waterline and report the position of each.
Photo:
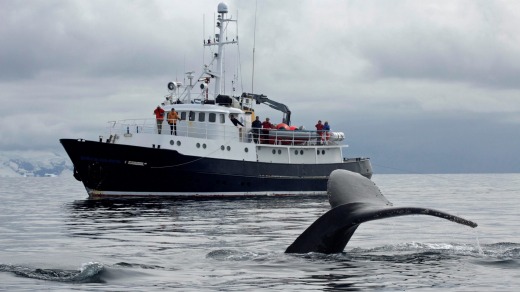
(116, 170)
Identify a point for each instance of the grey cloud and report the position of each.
(88, 38)
(470, 45)
(396, 76)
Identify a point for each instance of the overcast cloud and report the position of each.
(418, 86)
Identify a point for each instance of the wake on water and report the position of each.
(88, 273)
(504, 255)
(411, 250)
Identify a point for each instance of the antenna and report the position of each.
(203, 37)
(254, 46)
(239, 61)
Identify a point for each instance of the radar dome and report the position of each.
(222, 8)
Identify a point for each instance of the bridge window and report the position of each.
(212, 117)
(192, 116)
(222, 118)
(202, 117)
(183, 116)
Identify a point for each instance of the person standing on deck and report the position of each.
(159, 117)
(326, 131)
(256, 125)
(172, 120)
(319, 130)
(266, 126)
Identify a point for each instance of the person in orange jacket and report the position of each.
(172, 120)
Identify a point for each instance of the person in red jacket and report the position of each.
(266, 126)
(159, 116)
(319, 130)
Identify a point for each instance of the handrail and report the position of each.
(216, 131)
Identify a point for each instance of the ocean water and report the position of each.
(52, 238)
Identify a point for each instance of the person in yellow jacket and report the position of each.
(172, 120)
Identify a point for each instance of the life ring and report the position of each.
(282, 126)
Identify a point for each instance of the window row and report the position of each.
(201, 117)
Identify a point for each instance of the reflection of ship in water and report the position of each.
(97, 219)
(113, 208)
(115, 219)
(212, 150)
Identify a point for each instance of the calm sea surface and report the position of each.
(52, 238)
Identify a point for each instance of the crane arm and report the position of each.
(260, 98)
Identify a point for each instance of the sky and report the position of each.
(417, 86)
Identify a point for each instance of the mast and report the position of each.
(220, 42)
(222, 10)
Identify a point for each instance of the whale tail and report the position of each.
(354, 199)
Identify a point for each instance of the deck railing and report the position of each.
(215, 131)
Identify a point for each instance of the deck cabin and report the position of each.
(207, 130)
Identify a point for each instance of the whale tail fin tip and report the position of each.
(354, 200)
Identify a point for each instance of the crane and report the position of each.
(260, 98)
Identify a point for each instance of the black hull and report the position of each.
(121, 170)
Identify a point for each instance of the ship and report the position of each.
(213, 150)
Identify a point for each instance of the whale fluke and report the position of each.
(354, 199)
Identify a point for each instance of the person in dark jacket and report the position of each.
(235, 121)
(256, 125)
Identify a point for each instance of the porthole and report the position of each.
(279, 151)
(178, 143)
(171, 142)
(274, 151)
(301, 152)
(228, 148)
(295, 152)
(198, 145)
(318, 152)
(323, 152)
(222, 147)
(246, 150)
(204, 146)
